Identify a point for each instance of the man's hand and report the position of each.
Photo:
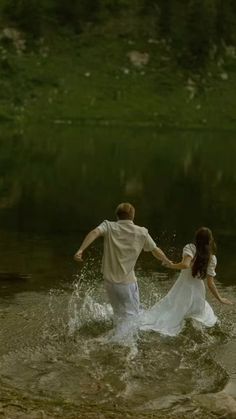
(89, 239)
(79, 256)
(167, 263)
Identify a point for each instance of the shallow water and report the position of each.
(57, 347)
(57, 344)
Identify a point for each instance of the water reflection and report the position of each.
(69, 178)
(66, 179)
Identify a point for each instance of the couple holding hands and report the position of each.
(123, 243)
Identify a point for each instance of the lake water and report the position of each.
(58, 181)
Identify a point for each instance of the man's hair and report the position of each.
(125, 211)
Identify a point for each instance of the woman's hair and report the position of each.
(205, 247)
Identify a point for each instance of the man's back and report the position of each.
(123, 243)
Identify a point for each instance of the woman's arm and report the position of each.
(89, 239)
(184, 264)
(212, 287)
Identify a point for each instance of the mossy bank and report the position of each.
(102, 77)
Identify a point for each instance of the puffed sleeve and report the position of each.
(211, 269)
(103, 227)
(189, 250)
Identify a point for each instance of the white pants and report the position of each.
(124, 299)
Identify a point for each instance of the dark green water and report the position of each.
(57, 182)
(67, 178)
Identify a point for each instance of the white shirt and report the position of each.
(123, 243)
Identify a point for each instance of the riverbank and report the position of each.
(102, 78)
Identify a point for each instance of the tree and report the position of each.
(200, 31)
(26, 14)
(76, 13)
(226, 21)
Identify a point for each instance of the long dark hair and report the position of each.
(205, 247)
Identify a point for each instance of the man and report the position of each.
(123, 243)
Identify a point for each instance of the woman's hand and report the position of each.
(226, 301)
(184, 264)
(168, 264)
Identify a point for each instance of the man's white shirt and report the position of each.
(123, 243)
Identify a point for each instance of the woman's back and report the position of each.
(190, 250)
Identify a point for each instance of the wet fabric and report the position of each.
(186, 299)
(123, 243)
(124, 299)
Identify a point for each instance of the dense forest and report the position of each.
(195, 29)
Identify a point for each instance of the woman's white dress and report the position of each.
(186, 299)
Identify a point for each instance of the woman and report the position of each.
(186, 299)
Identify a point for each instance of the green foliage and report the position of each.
(200, 31)
(192, 26)
(26, 14)
(177, 31)
(226, 21)
(76, 13)
(115, 6)
(165, 16)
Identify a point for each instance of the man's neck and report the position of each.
(125, 221)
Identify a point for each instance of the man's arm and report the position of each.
(88, 240)
(160, 255)
(150, 246)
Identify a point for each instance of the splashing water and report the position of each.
(63, 346)
(82, 308)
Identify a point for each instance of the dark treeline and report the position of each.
(193, 27)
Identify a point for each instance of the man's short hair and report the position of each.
(125, 211)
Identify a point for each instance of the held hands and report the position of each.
(79, 256)
(167, 263)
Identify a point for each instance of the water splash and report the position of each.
(77, 355)
(83, 309)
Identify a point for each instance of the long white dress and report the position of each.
(186, 299)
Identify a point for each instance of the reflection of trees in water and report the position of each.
(9, 183)
(202, 191)
(71, 178)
